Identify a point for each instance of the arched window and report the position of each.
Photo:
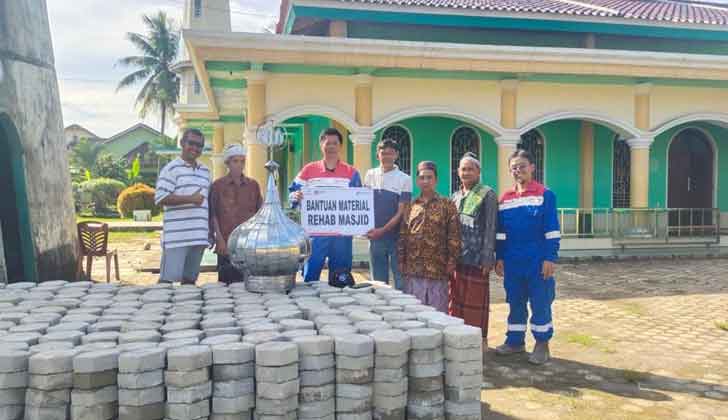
(620, 175)
(402, 137)
(533, 142)
(198, 8)
(464, 139)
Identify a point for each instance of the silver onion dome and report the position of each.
(269, 248)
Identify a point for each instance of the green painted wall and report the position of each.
(562, 167)
(121, 146)
(431, 141)
(658, 163)
(603, 161)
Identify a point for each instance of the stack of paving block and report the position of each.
(426, 399)
(463, 372)
(354, 376)
(141, 384)
(318, 374)
(49, 385)
(188, 382)
(233, 392)
(390, 374)
(95, 392)
(277, 381)
(13, 383)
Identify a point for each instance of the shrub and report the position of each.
(100, 193)
(136, 197)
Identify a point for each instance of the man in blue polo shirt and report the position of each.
(392, 191)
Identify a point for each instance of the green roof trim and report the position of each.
(502, 23)
(226, 66)
(232, 118)
(483, 75)
(228, 83)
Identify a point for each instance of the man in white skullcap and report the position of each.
(234, 199)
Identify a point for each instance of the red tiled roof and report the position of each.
(668, 11)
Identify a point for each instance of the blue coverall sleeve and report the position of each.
(355, 180)
(551, 228)
(500, 238)
(296, 185)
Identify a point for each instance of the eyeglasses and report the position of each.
(196, 144)
(519, 168)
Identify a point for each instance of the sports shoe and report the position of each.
(506, 349)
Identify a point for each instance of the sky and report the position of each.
(88, 40)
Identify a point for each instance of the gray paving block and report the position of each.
(147, 412)
(296, 324)
(317, 377)
(351, 362)
(213, 332)
(232, 405)
(391, 342)
(232, 389)
(146, 325)
(40, 398)
(460, 394)
(124, 348)
(13, 361)
(318, 362)
(354, 376)
(276, 354)
(291, 415)
(50, 382)
(221, 339)
(142, 360)
(105, 326)
(47, 413)
(172, 344)
(273, 391)
(151, 336)
(275, 407)
(233, 371)
(176, 326)
(189, 394)
(470, 410)
(314, 345)
(189, 358)
(139, 380)
(233, 353)
(12, 396)
(106, 411)
(463, 381)
(181, 379)
(276, 374)
(194, 411)
(96, 361)
(389, 414)
(354, 391)
(463, 354)
(390, 402)
(425, 338)
(101, 345)
(27, 338)
(50, 346)
(337, 330)
(90, 398)
(430, 384)
(12, 412)
(390, 362)
(101, 336)
(391, 388)
(309, 394)
(51, 362)
(390, 375)
(317, 409)
(141, 397)
(262, 337)
(463, 336)
(353, 345)
(426, 356)
(291, 334)
(94, 380)
(349, 405)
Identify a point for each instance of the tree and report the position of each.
(84, 154)
(108, 167)
(158, 49)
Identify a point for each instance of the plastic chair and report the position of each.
(93, 238)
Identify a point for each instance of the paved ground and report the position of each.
(634, 340)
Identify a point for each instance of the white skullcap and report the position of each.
(232, 150)
(470, 157)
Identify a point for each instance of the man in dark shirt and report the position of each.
(234, 199)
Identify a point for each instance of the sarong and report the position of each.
(470, 296)
(430, 292)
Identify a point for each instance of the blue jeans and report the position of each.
(337, 249)
(382, 258)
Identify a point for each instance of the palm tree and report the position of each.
(84, 154)
(158, 50)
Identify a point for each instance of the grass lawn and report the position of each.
(79, 218)
(126, 236)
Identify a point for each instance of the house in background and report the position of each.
(139, 140)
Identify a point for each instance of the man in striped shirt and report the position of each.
(183, 186)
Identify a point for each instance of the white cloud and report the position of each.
(89, 38)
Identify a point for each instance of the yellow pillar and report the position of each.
(363, 113)
(338, 29)
(218, 145)
(508, 142)
(256, 111)
(640, 150)
(586, 199)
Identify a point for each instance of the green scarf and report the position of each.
(470, 204)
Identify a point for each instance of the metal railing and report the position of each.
(642, 226)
